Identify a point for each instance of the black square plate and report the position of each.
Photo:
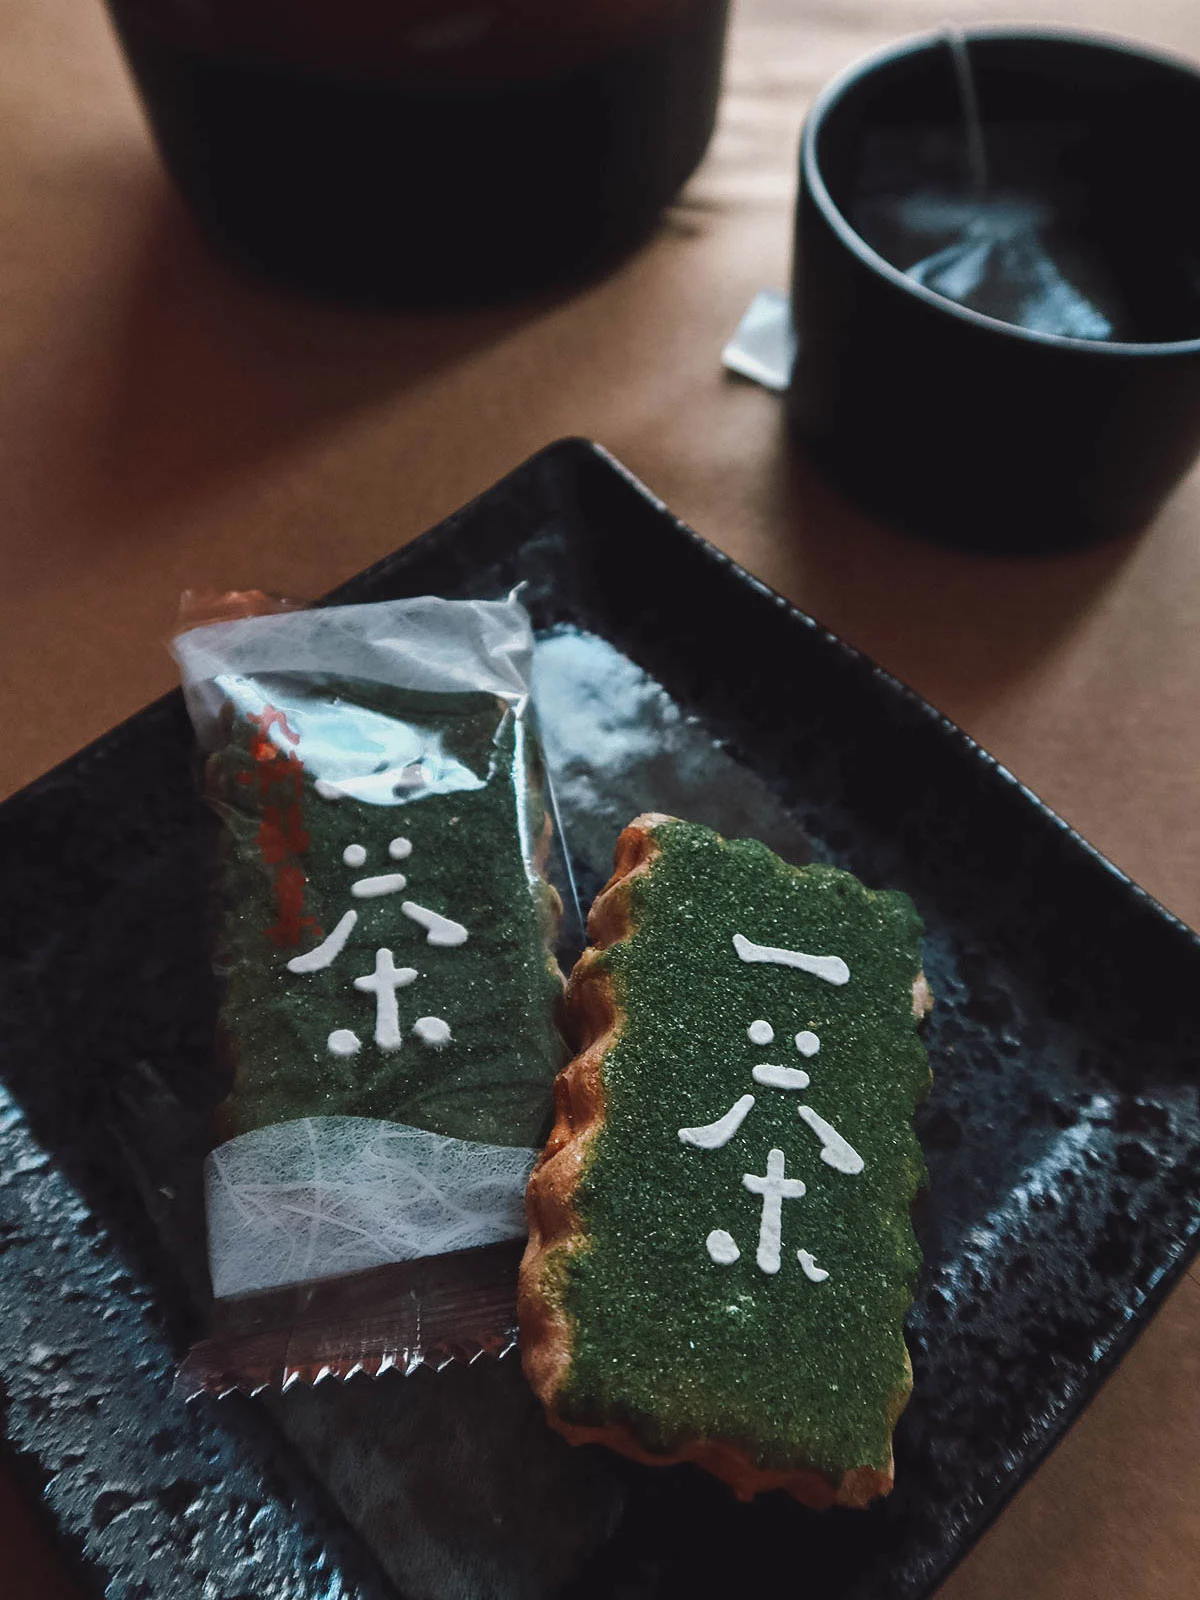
(1063, 1133)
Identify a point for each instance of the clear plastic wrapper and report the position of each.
(389, 989)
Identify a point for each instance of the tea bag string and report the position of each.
(968, 95)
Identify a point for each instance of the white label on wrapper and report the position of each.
(323, 1196)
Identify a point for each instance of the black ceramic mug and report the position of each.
(415, 152)
(998, 318)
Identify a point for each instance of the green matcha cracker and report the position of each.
(388, 991)
(721, 1252)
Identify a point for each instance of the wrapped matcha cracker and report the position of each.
(389, 990)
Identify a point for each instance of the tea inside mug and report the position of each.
(1007, 206)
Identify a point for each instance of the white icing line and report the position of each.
(438, 929)
(383, 983)
(330, 947)
(372, 888)
(328, 791)
(774, 1189)
(781, 1077)
(760, 1032)
(832, 968)
(354, 855)
(343, 1042)
(432, 1030)
(835, 1151)
(716, 1134)
(722, 1247)
(807, 1043)
(812, 1271)
(399, 848)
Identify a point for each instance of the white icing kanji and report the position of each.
(780, 1077)
(812, 1271)
(774, 1188)
(372, 888)
(386, 978)
(832, 968)
(327, 952)
(433, 1031)
(722, 1247)
(715, 1134)
(835, 1151)
(383, 983)
(438, 929)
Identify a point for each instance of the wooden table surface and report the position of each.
(164, 423)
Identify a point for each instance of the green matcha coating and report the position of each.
(800, 1375)
(497, 991)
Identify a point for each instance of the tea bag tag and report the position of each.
(764, 347)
